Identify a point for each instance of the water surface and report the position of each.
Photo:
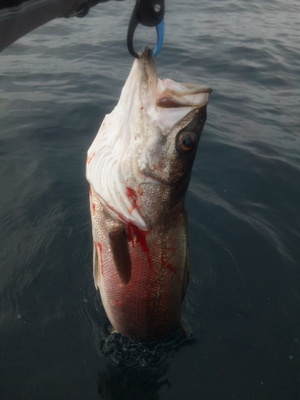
(243, 301)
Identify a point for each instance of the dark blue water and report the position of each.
(243, 302)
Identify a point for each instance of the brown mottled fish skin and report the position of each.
(142, 271)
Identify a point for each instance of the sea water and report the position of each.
(242, 306)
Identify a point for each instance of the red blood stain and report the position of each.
(170, 248)
(94, 208)
(115, 211)
(139, 237)
(133, 197)
(166, 264)
(89, 159)
(170, 267)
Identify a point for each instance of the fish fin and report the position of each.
(96, 266)
(120, 251)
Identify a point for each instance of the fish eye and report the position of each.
(186, 141)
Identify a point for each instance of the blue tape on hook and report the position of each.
(160, 30)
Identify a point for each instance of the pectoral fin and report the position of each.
(120, 251)
(96, 265)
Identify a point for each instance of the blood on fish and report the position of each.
(117, 303)
(140, 238)
(89, 159)
(94, 208)
(122, 218)
(133, 196)
(170, 248)
(168, 265)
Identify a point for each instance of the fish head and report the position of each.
(142, 157)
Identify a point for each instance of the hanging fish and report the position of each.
(139, 168)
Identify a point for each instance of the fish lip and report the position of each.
(147, 66)
(168, 93)
(146, 53)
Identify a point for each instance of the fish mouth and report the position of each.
(176, 95)
(146, 56)
(147, 68)
(168, 93)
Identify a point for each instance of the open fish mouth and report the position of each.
(139, 168)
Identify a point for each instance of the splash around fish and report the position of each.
(139, 168)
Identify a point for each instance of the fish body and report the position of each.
(139, 168)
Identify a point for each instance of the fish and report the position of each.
(139, 167)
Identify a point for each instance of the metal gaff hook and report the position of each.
(148, 13)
